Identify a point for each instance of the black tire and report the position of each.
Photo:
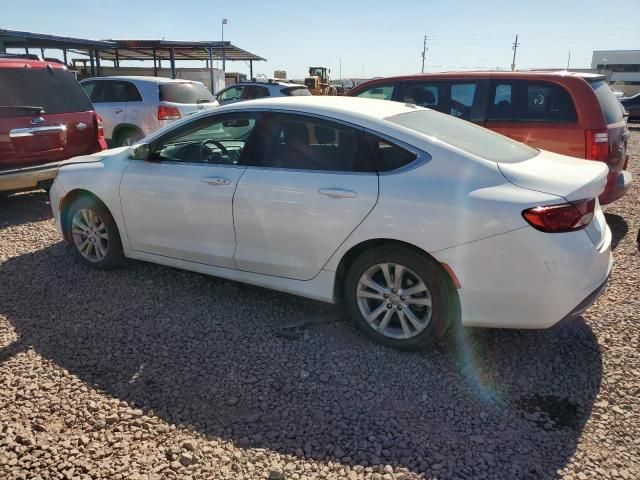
(443, 296)
(113, 256)
(128, 136)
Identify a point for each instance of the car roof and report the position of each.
(17, 62)
(329, 106)
(280, 83)
(141, 78)
(521, 74)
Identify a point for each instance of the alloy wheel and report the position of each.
(394, 300)
(90, 235)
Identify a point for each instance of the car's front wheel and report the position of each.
(399, 297)
(93, 234)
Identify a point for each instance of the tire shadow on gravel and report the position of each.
(619, 228)
(203, 352)
(22, 208)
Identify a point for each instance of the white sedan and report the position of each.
(417, 220)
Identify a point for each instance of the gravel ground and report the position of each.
(152, 373)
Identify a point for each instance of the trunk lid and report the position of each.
(571, 178)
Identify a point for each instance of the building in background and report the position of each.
(622, 68)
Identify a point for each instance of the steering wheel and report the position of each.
(204, 149)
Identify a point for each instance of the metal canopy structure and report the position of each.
(123, 50)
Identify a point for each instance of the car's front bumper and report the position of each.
(25, 178)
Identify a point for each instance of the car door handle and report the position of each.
(216, 181)
(118, 110)
(337, 193)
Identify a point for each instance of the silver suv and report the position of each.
(252, 90)
(133, 107)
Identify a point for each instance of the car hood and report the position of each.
(95, 157)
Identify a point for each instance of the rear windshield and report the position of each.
(53, 89)
(611, 106)
(184, 93)
(296, 91)
(465, 136)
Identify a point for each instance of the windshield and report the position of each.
(465, 136)
(611, 107)
(186, 92)
(30, 91)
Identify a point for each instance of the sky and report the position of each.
(373, 38)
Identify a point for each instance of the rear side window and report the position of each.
(111, 91)
(466, 136)
(186, 92)
(388, 156)
(53, 89)
(296, 92)
(251, 92)
(307, 143)
(524, 101)
(379, 92)
(608, 102)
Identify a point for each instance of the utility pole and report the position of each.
(340, 67)
(424, 51)
(515, 49)
(568, 59)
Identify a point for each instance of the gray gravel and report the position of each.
(152, 373)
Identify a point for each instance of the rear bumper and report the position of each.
(617, 185)
(587, 302)
(528, 279)
(27, 177)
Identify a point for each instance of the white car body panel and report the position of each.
(458, 208)
(170, 210)
(288, 223)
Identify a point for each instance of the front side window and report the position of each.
(219, 141)
(307, 143)
(233, 93)
(379, 92)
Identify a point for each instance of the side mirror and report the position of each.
(141, 152)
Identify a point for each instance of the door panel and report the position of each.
(179, 211)
(289, 223)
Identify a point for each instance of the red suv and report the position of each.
(45, 117)
(574, 114)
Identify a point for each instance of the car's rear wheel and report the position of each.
(400, 297)
(93, 234)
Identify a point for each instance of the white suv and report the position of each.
(133, 107)
(252, 90)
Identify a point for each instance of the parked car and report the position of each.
(573, 114)
(133, 107)
(253, 90)
(632, 106)
(417, 219)
(45, 117)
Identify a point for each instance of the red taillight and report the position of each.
(597, 145)
(561, 218)
(97, 123)
(168, 113)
